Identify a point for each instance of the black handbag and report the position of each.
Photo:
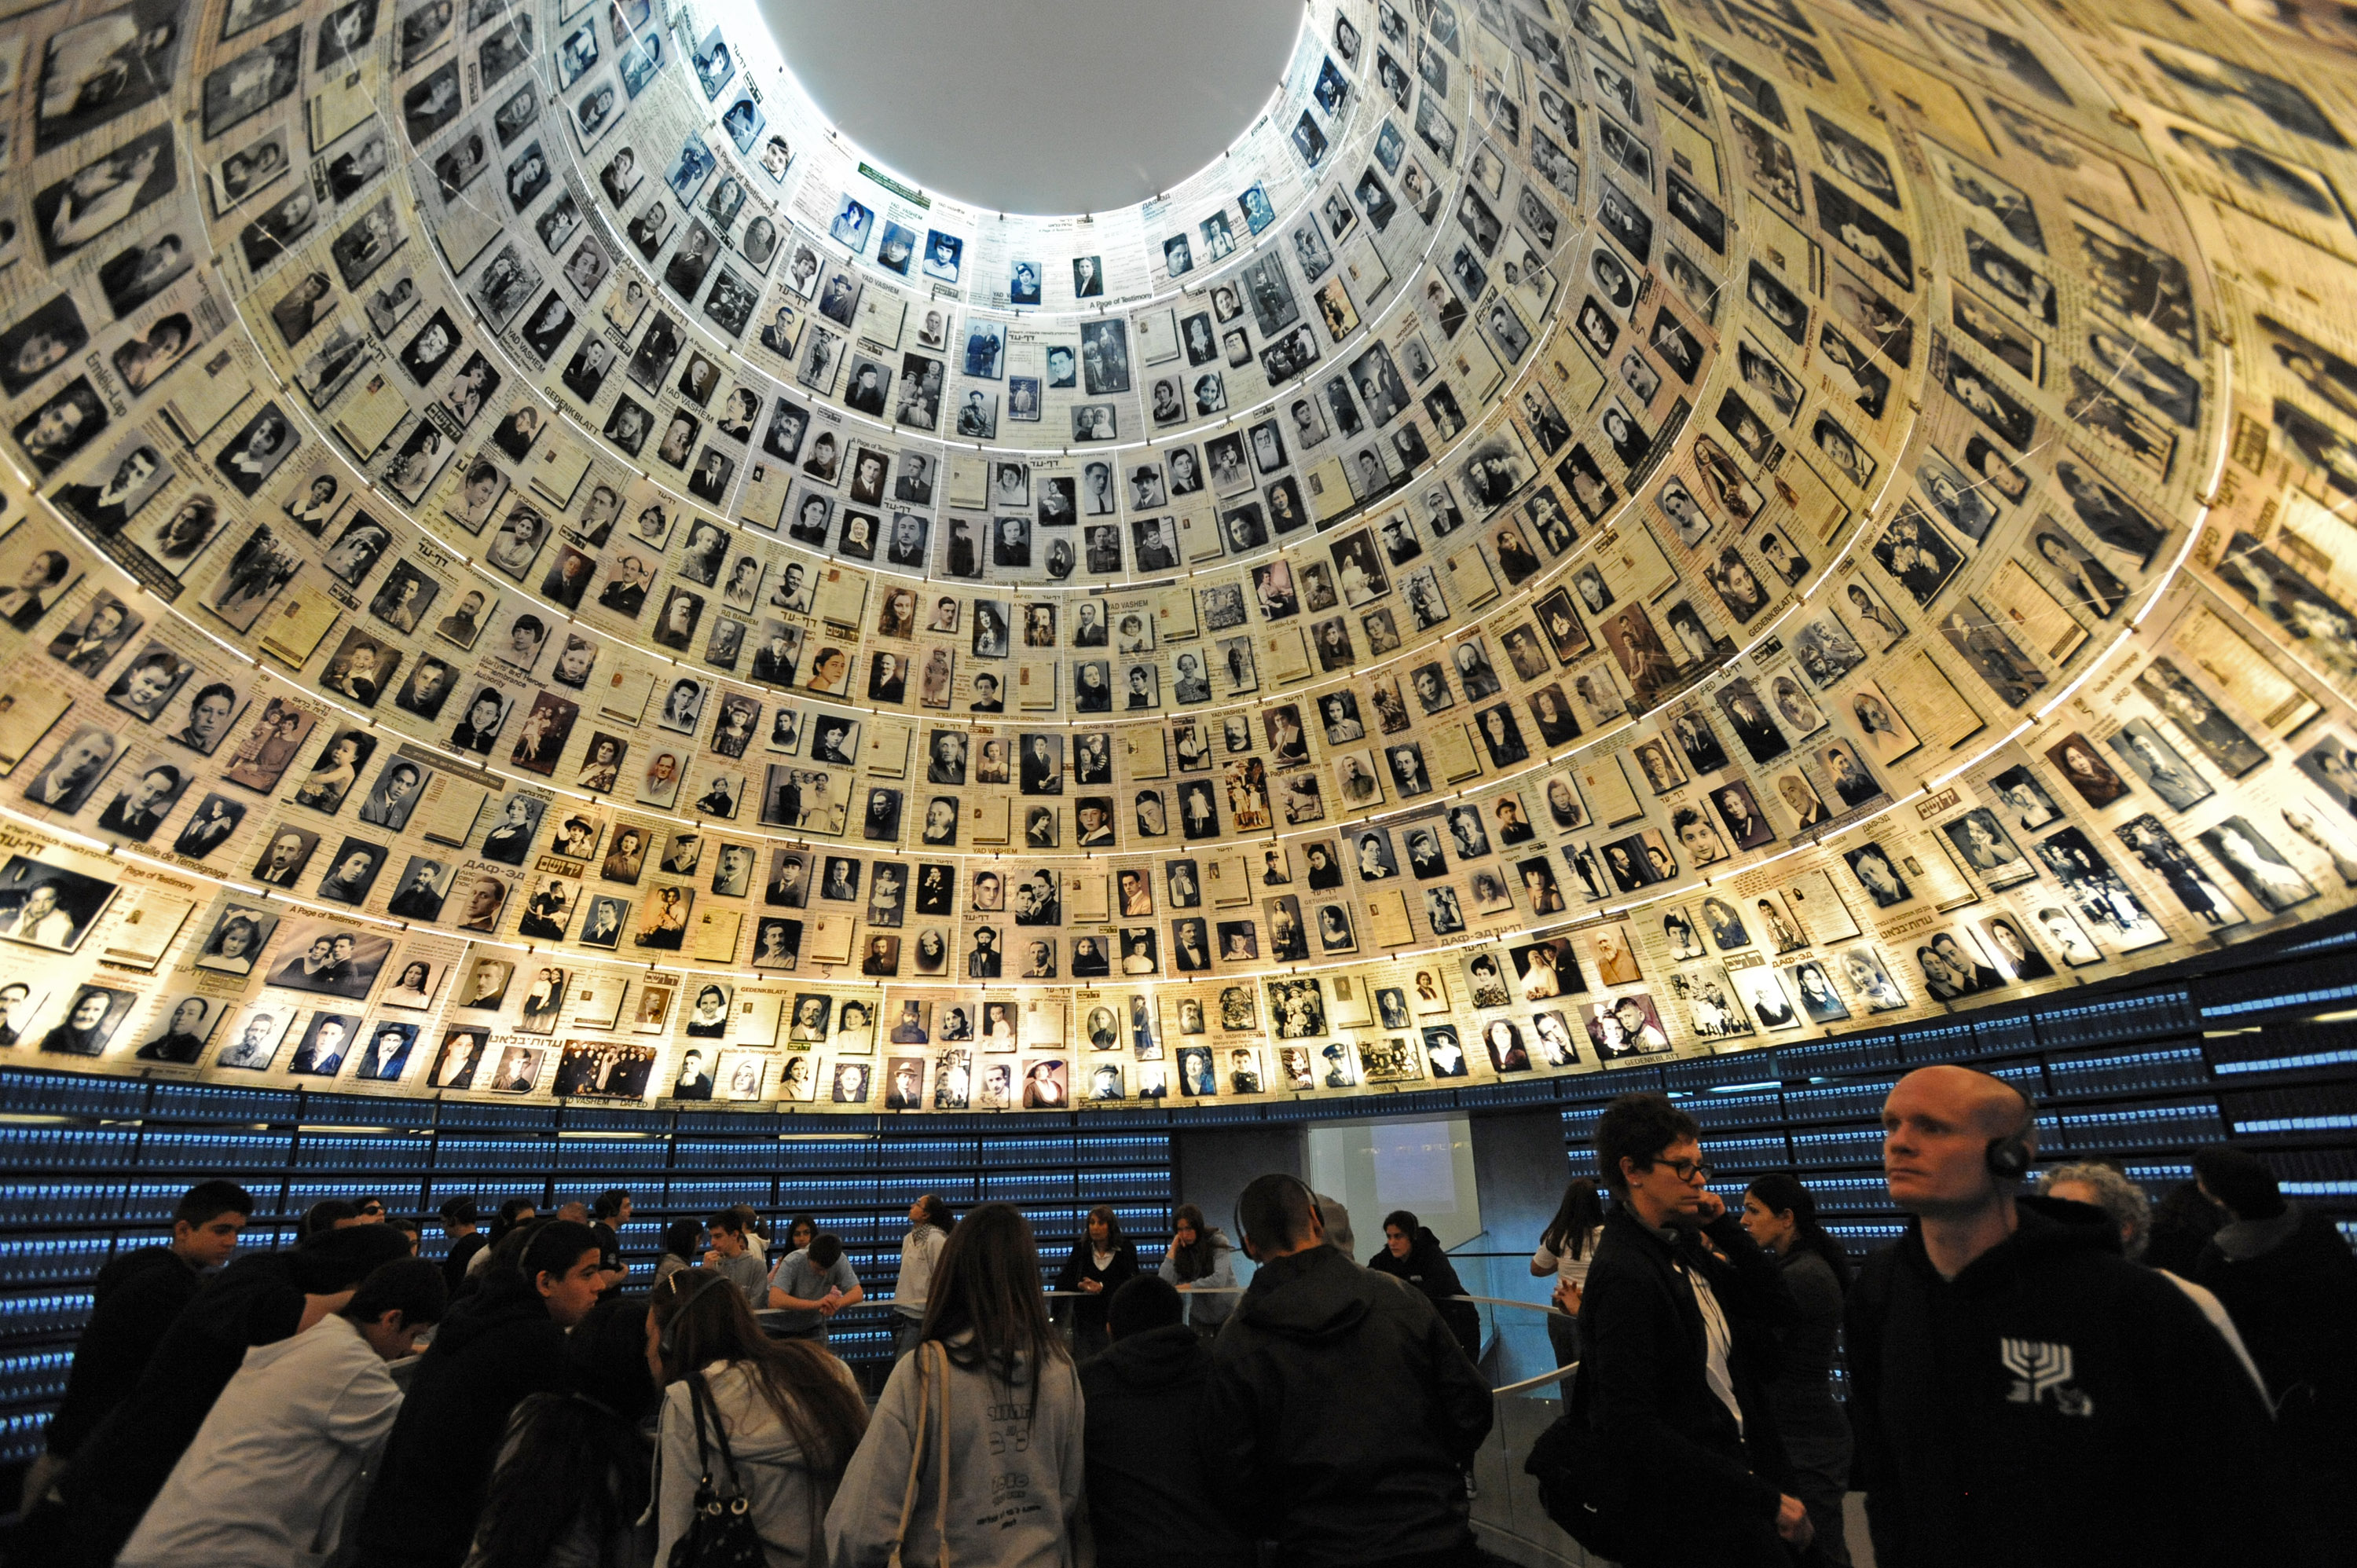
(720, 1534)
(1579, 1490)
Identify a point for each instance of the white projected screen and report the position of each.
(1424, 1166)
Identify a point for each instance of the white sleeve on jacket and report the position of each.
(361, 1416)
(2215, 1311)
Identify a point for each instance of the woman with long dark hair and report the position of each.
(932, 1479)
(1201, 1263)
(1781, 1215)
(773, 1421)
(1102, 1261)
(1564, 1248)
(570, 1487)
(920, 1253)
(1413, 1254)
(682, 1243)
(800, 1232)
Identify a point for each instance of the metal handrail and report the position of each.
(1524, 1305)
(1554, 1377)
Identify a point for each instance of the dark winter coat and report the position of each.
(1428, 1268)
(125, 1460)
(1342, 1414)
(2053, 1404)
(1700, 1488)
(493, 1348)
(1150, 1494)
(1087, 1313)
(134, 1299)
(2295, 1304)
(462, 1252)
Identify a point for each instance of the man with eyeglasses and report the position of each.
(1666, 1434)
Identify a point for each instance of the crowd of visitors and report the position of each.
(2027, 1379)
(2071, 1373)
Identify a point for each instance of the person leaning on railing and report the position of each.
(1202, 1264)
(1102, 1261)
(137, 1297)
(1413, 1254)
(1565, 1249)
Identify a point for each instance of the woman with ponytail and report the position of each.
(1781, 1215)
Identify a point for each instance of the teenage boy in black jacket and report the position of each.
(497, 1345)
(1671, 1374)
(134, 1299)
(2022, 1392)
(1342, 1411)
(1149, 1489)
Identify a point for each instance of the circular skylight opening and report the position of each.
(1049, 106)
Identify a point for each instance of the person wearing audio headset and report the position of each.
(1341, 1409)
(2022, 1392)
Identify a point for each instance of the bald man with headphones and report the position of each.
(2022, 1392)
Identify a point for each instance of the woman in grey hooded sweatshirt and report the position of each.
(990, 1378)
(791, 1414)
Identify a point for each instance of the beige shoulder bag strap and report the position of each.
(942, 1519)
(915, 1456)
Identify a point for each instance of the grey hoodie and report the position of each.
(787, 1502)
(1014, 1473)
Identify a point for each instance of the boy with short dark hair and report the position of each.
(733, 1260)
(270, 1475)
(135, 1298)
(502, 1344)
(811, 1286)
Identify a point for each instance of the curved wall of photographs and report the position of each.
(1595, 532)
